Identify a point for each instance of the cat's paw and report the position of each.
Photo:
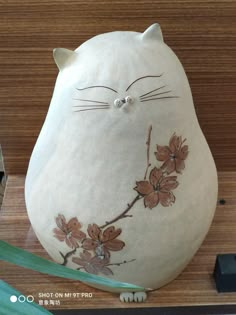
(133, 297)
(126, 297)
(140, 297)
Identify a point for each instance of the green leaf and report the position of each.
(8, 308)
(25, 259)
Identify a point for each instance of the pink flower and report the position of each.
(157, 189)
(173, 155)
(68, 232)
(92, 264)
(102, 242)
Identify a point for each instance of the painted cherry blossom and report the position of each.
(92, 264)
(102, 242)
(173, 155)
(68, 232)
(157, 189)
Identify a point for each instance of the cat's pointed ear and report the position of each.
(153, 32)
(61, 56)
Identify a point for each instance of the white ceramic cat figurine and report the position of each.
(121, 182)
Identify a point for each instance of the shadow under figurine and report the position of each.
(121, 182)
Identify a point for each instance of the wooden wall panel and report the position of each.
(202, 33)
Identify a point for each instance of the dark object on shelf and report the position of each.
(222, 201)
(1, 176)
(225, 273)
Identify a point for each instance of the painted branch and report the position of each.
(114, 264)
(66, 256)
(121, 263)
(148, 149)
(123, 214)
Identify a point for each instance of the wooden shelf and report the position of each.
(195, 286)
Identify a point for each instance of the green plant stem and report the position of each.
(28, 260)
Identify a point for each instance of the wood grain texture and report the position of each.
(195, 286)
(202, 33)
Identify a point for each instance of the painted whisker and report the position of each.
(79, 99)
(153, 91)
(159, 98)
(91, 105)
(148, 96)
(145, 97)
(83, 110)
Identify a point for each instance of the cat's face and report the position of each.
(122, 73)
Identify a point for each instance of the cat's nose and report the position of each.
(122, 102)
